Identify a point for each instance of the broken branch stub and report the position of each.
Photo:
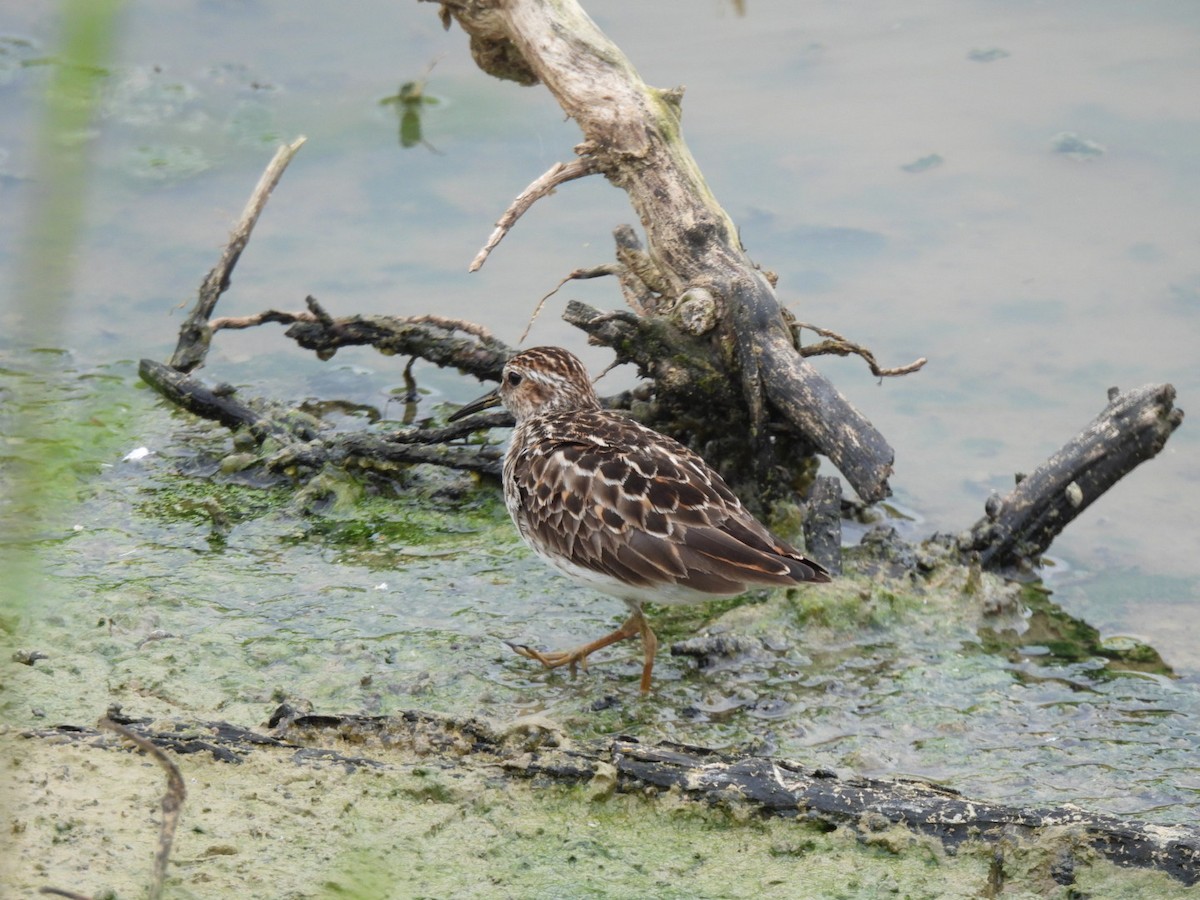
(1019, 527)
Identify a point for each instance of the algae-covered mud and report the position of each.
(179, 590)
(408, 825)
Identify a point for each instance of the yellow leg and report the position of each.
(649, 648)
(635, 625)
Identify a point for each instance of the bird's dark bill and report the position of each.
(487, 401)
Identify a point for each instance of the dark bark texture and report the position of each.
(1019, 527)
(771, 787)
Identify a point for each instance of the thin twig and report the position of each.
(270, 315)
(544, 185)
(172, 801)
(462, 325)
(195, 334)
(254, 207)
(840, 346)
(577, 274)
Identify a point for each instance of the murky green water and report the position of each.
(1033, 280)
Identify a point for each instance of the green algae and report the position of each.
(425, 828)
(1049, 635)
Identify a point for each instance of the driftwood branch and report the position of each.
(632, 136)
(693, 256)
(219, 404)
(812, 403)
(307, 448)
(172, 801)
(444, 342)
(196, 333)
(783, 787)
(770, 786)
(1019, 527)
(698, 303)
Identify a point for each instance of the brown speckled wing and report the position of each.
(618, 499)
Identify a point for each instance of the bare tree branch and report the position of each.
(544, 185)
(840, 346)
(196, 332)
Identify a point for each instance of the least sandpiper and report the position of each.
(621, 508)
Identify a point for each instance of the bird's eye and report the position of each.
(514, 378)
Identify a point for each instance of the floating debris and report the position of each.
(1070, 144)
(987, 54)
(924, 164)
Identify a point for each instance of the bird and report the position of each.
(621, 508)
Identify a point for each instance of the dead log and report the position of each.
(783, 787)
(533, 749)
(1019, 527)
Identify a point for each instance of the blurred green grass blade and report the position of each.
(46, 273)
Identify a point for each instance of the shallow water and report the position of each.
(1032, 279)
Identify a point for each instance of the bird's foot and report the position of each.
(635, 625)
(554, 659)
